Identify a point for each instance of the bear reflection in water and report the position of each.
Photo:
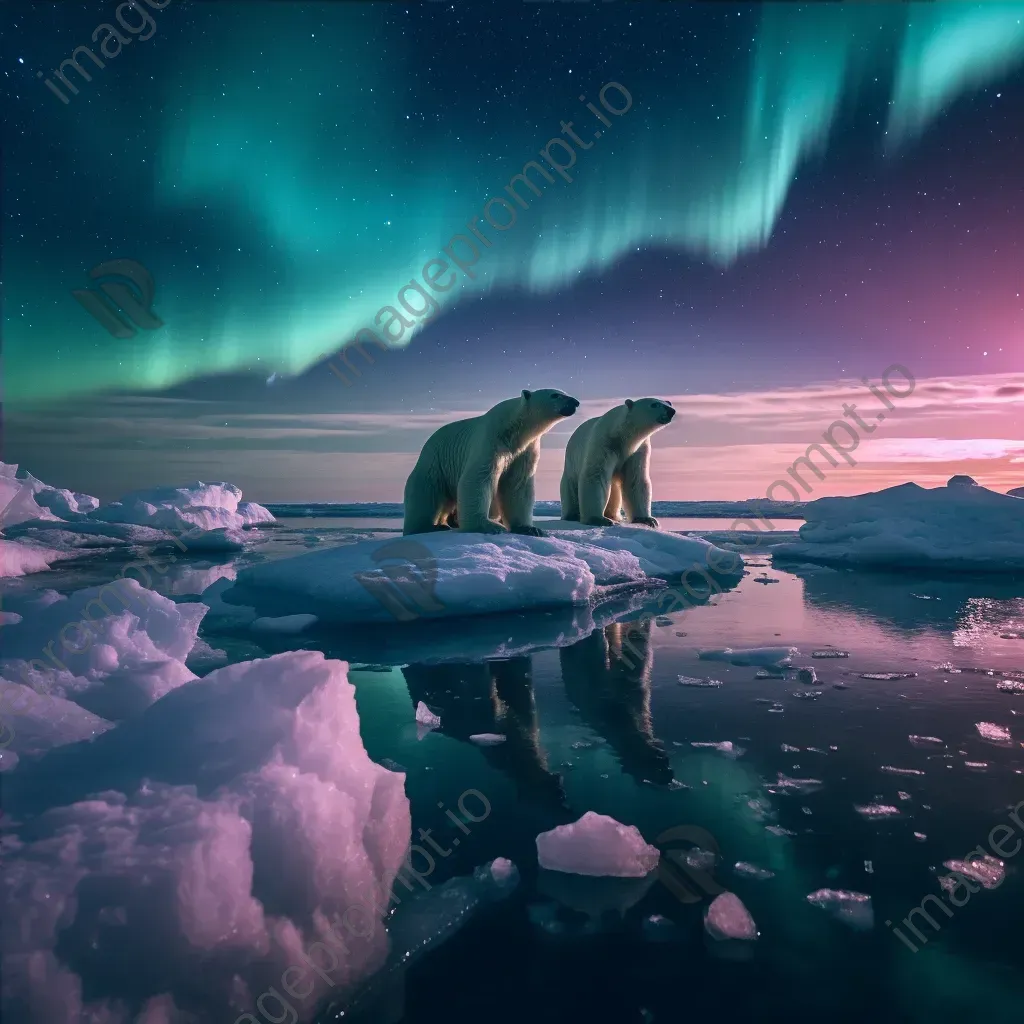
(494, 697)
(607, 677)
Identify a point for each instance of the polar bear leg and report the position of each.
(569, 491)
(636, 486)
(516, 492)
(477, 493)
(613, 510)
(426, 504)
(595, 489)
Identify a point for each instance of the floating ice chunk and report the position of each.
(807, 694)
(426, 717)
(725, 747)
(284, 624)
(830, 652)
(989, 871)
(778, 830)
(902, 795)
(788, 785)
(502, 869)
(993, 733)
(486, 739)
(890, 770)
(976, 766)
(597, 845)
(19, 558)
(728, 918)
(700, 860)
(913, 527)
(876, 812)
(852, 908)
(807, 675)
(657, 928)
(920, 837)
(888, 676)
(926, 741)
(699, 681)
(1010, 686)
(790, 750)
(748, 870)
(769, 657)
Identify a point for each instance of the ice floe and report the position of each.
(852, 908)
(597, 845)
(999, 734)
(876, 812)
(728, 918)
(912, 527)
(769, 657)
(452, 574)
(989, 871)
(742, 867)
(198, 505)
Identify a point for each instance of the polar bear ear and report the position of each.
(526, 394)
(629, 403)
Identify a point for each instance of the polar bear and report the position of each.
(475, 472)
(607, 464)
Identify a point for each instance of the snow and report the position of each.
(728, 918)
(18, 558)
(957, 527)
(198, 875)
(452, 574)
(769, 657)
(597, 845)
(852, 908)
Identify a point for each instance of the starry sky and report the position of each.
(794, 197)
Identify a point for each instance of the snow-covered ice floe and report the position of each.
(453, 574)
(951, 528)
(198, 874)
(852, 908)
(728, 918)
(44, 524)
(597, 845)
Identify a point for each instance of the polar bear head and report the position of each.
(649, 414)
(549, 405)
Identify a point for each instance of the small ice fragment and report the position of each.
(830, 653)
(807, 694)
(989, 871)
(790, 750)
(742, 867)
(888, 676)
(502, 869)
(725, 747)
(876, 811)
(486, 739)
(658, 928)
(890, 770)
(727, 918)
(676, 784)
(770, 673)
(778, 830)
(992, 732)
(902, 795)
(787, 785)
(920, 837)
(663, 620)
(976, 766)
(926, 741)
(776, 709)
(840, 686)
(807, 675)
(699, 681)
(869, 867)
(597, 845)
(1010, 686)
(852, 908)
(701, 860)
(818, 750)
(424, 716)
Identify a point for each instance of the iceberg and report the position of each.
(953, 528)
(453, 574)
(597, 845)
(728, 918)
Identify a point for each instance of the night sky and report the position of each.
(798, 197)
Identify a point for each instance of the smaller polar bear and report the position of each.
(607, 464)
(476, 472)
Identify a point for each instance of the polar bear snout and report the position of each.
(569, 406)
(667, 414)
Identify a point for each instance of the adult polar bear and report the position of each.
(608, 461)
(481, 469)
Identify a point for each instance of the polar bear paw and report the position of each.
(487, 526)
(646, 521)
(529, 531)
(600, 521)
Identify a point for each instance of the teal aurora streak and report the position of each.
(351, 197)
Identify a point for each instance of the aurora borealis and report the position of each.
(283, 170)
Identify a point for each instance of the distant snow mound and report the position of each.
(191, 506)
(960, 528)
(451, 574)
